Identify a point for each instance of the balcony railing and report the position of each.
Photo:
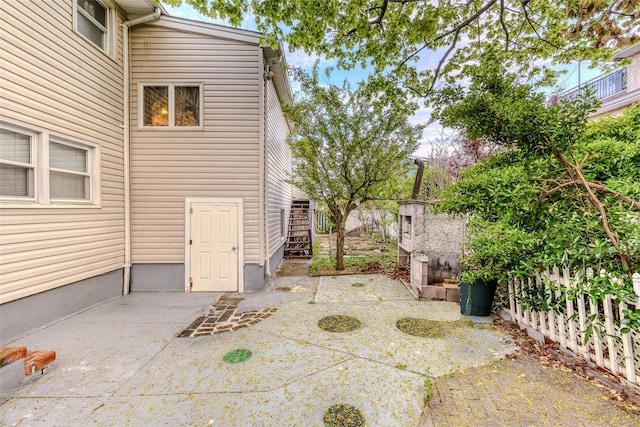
(603, 86)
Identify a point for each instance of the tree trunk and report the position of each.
(340, 234)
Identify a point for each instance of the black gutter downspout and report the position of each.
(418, 182)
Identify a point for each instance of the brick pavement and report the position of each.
(224, 316)
(522, 392)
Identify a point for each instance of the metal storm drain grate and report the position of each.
(358, 285)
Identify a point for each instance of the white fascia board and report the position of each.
(139, 7)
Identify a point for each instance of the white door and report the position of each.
(214, 247)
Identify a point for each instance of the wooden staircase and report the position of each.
(299, 242)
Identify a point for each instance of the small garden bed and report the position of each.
(362, 257)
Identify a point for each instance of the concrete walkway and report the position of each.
(122, 363)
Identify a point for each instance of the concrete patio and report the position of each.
(121, 363)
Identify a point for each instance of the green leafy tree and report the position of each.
(350, 146)
(567, 192)
(394, 36)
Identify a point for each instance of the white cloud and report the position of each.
(300, 58)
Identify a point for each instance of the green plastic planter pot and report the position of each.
(482, 293)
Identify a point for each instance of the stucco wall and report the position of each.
(633, 73)
(439, 237)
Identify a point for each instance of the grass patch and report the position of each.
(237, 356)
(339, 323)
(342, 415)
(430, 328)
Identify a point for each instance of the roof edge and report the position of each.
(208, 28)
(627, 52)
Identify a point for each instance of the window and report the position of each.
(69, 174)
(93, 21)
(17, 169)
(65, 171)
(171, 105)
(406, 226)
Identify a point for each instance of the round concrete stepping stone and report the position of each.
(339, 323)
(343, 415)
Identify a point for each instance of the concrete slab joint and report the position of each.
(296, 370)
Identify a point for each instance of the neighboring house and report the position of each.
(116, 123)
(616, 90)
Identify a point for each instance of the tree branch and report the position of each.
(466, 22)
(599, 187)
(622, 197)
(603, 215)
(436, 72)
(504, 27)
(383, 10)
(535, 30)
(559, 187)
(456, 30)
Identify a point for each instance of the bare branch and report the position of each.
(436, 73)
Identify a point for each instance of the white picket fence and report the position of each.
(615, 351)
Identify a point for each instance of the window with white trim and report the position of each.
(42, 169)
(93, 19)
(69, 171)
(171, 105)
(17, 168)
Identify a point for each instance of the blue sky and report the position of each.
(433, 133)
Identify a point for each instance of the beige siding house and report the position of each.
(89, 87)
(220, 141)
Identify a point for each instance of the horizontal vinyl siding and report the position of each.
(279, 166)
(220, 161)
(55, 81)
